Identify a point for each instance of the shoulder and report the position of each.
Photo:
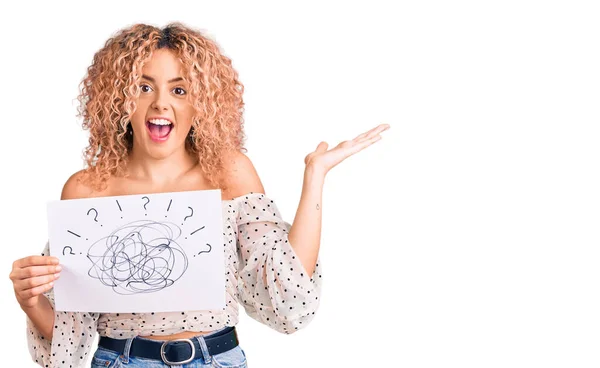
(75, 189)
(241, 176)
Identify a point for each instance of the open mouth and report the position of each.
(159, 130)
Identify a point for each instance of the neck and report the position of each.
(160, 171)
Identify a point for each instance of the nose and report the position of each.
(159, 102)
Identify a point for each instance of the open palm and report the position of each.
(327, 159)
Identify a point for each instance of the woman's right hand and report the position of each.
(32, 276)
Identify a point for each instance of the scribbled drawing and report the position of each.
(139, 257)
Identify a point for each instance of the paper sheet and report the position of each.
(139, 253)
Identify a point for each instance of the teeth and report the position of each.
(159, 122)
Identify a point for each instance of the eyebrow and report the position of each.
(170, 81)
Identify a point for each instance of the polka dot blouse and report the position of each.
(262, 273)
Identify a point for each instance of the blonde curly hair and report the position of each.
(109, 91)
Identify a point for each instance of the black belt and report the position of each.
(180, 351)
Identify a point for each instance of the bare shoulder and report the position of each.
(75, 189)
(242, 177)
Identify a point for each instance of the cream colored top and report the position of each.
(262, 273)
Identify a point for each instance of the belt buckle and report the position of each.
(166, 361)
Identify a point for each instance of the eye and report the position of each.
(146, 89)
(181, 91)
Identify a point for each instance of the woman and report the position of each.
(164, 111)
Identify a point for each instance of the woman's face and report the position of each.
(163, 116)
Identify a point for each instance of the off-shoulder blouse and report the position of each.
(262, 272)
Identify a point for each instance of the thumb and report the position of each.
(322, 147)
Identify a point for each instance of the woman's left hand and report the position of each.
(323, 160)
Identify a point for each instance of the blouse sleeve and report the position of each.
(72, 338)
(273, 285)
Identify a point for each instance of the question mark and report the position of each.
(206, 251)
(191, 209)
(95, 217)
(70, 250)
(146, 202)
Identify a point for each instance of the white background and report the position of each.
(468, 236)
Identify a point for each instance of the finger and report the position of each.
(30, 293)
(33, 271)
(378, 129)
(35, 261)
(322, 147)
(359, 146)
(34, 282)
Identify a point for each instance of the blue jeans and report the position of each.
(234, 358)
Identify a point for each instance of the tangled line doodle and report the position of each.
(139, 257)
